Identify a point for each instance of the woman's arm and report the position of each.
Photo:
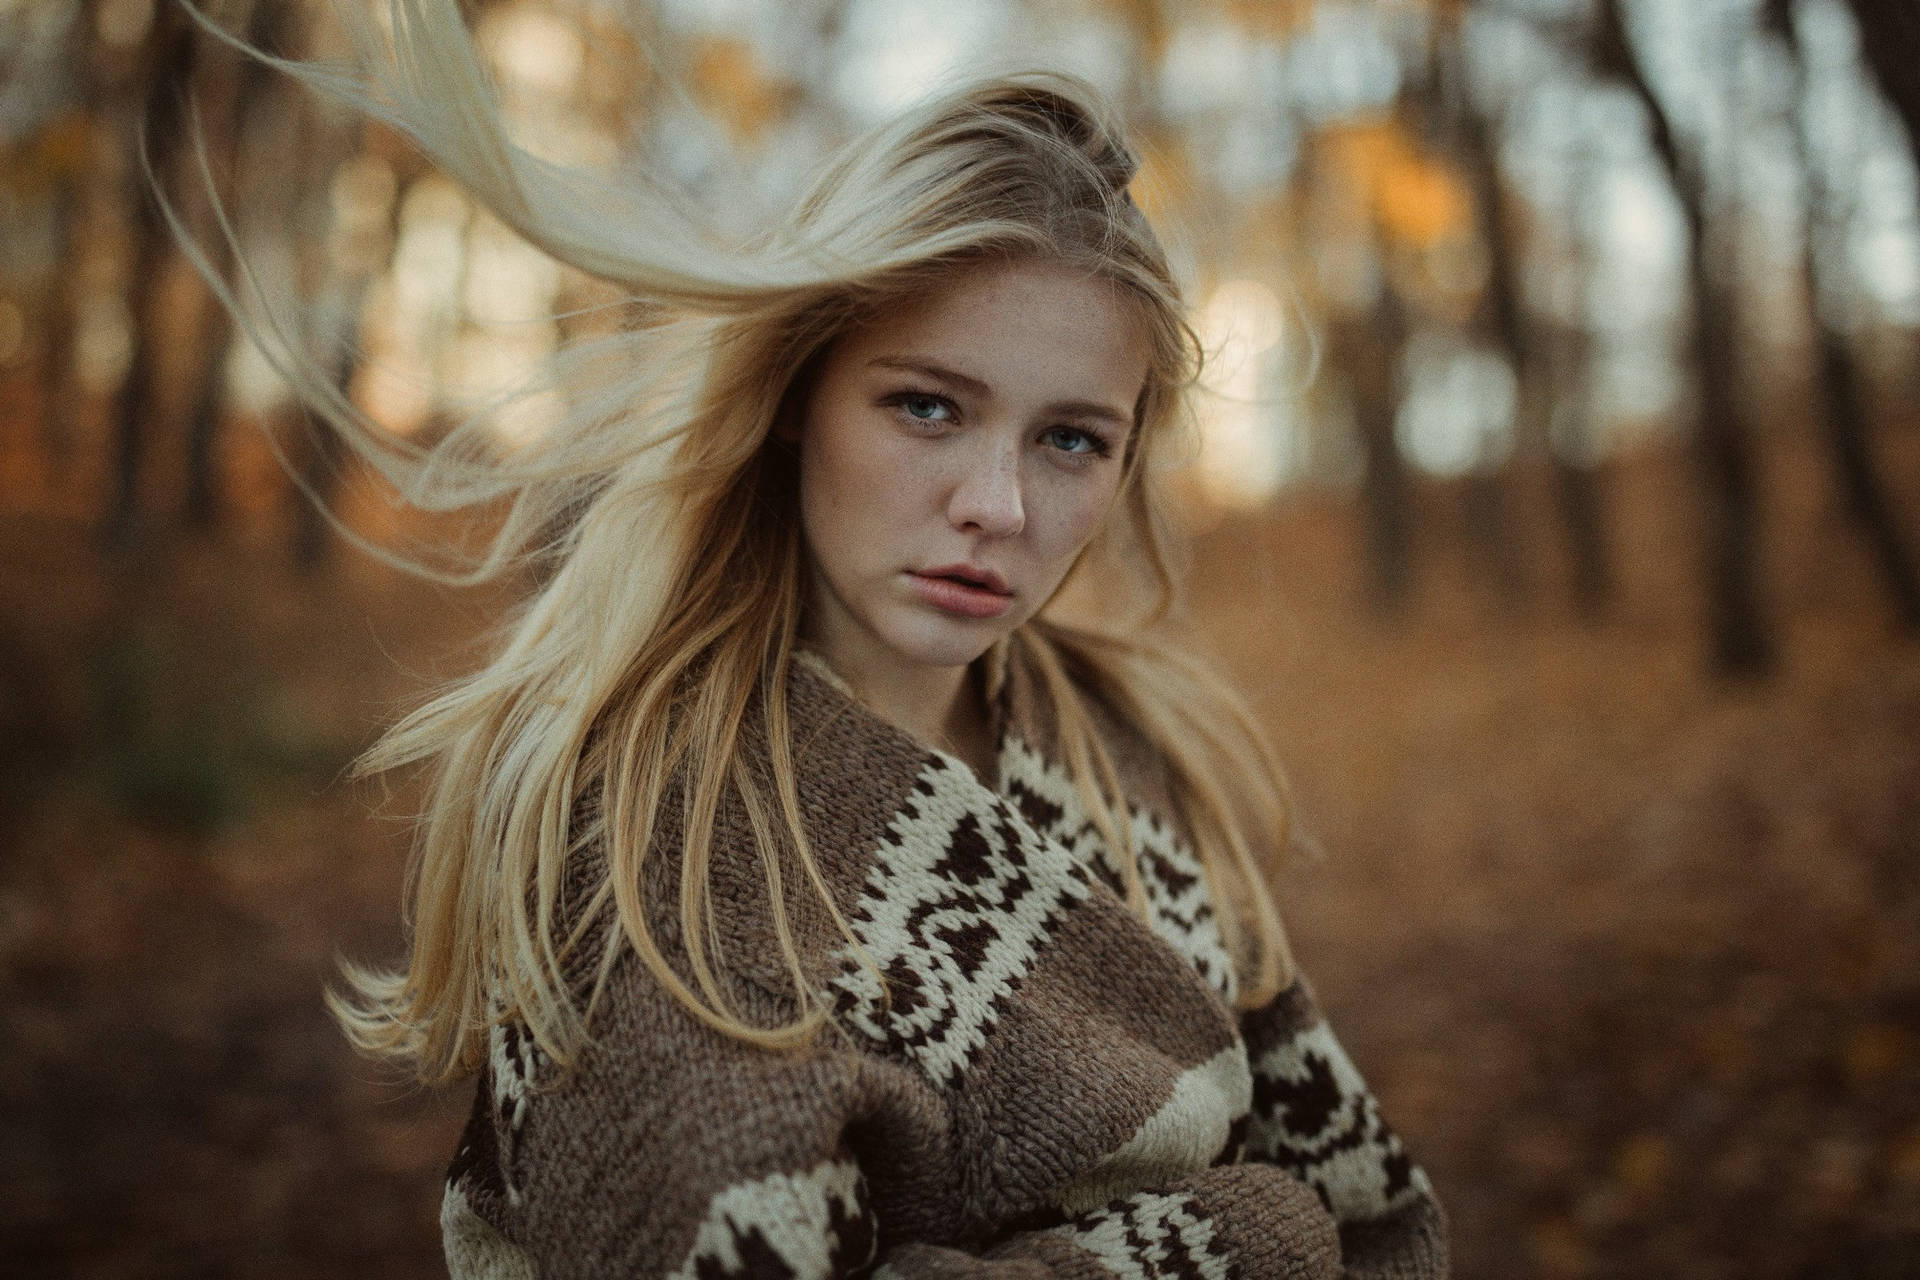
(672, 1150)
(1313, 1116)
(1252, 1221)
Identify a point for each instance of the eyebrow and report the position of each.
(974, 387)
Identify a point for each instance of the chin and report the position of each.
(942, 642)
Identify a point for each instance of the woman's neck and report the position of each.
(941, 706)
(968, 731)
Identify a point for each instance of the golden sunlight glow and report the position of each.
(394, 384)
(1245, 452)
(412, 311)
(536, 52)
(1415, 196)
(102, 343)
(253, 384)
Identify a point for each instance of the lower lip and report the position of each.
(958, 597)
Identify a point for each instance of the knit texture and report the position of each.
(1055, 1088)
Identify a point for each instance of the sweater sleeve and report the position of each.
(1314, 1116)
(671, 1150)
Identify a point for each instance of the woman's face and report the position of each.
(956, 454)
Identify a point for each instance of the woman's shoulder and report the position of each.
(848, 777)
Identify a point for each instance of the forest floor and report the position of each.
(1630, 953)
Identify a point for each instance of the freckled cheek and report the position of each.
(844, 454)
(1072, 516)
(856, 490)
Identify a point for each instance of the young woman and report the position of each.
(808, 899)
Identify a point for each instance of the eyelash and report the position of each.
(1097, 445)
(900, 400)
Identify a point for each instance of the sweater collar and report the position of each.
(1010, 726)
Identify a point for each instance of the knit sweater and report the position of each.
(1054, 1088)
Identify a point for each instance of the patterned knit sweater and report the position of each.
(1055, 1088)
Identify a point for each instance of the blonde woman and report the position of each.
(808, 900)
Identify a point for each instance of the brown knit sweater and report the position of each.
(1055, 1089)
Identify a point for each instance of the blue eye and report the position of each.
(1073, 440)
(925, 408)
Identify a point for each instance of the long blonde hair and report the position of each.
(673, 575)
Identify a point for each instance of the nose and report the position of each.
(987, 498)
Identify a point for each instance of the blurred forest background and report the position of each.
(1556, 497)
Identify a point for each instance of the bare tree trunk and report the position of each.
(1740, 641)
(1848, 427)
(1859, 479)
(1576, 499)
(241, 82)
(1367, 348)
(56, 353)
(173, 48)
(1493, 534)
(320, 469)
(1443, 102)
(321, 463)
(333, 328)
(1890, 44)
(1576, 480)
(203, 502)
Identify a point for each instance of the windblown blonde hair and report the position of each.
(669, 529)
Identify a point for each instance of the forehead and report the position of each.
(1028, 330)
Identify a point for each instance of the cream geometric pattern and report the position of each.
(961, 899)
(1175, 884)
(1182, 1137)
(1313, 1115)
(810, 1226)
(1151, 1237)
